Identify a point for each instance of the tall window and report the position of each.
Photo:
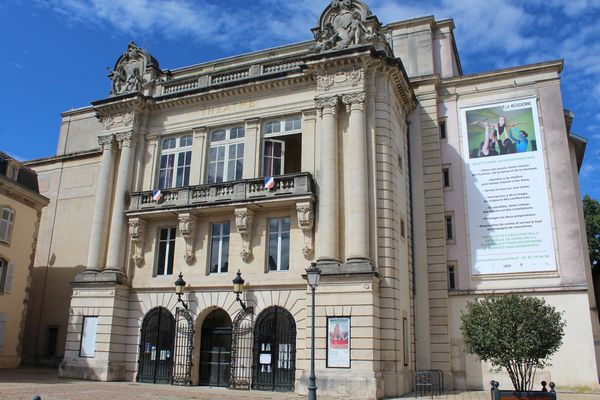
(166, 251)
(449, 219)
(175, 161)
(219, 248)
(282, 146)
(6, 274)
(451, 276)
(226, 155)
(279, 244)
(446, 181)
(443, 129)
(7, 217)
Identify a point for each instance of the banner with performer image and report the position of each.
(338, 342)
(510, 229)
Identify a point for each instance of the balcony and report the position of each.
(233, 192)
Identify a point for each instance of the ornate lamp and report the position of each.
(238, 288)
(179, 289)
(312, 277)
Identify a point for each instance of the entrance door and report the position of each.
(274, 350)
(155, 364)
(215, 349)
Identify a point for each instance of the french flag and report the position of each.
(156, 195)
(269, 182)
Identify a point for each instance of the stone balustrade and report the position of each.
(291, 185)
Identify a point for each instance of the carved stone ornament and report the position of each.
(134, 69)
(126, 139)
(306, 220)
(346, 23)
(187, 228)
(353, 98)
(243, 221)
(137, 234)
(341, 80)
(328, 103)
(118, 120)
(106, 142)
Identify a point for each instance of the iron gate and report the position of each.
(215, 350)
(241, 351)
(274, 350)
(155, 364)
(184, 336)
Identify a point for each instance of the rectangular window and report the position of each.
(402, 228)
(282, 146)
(3, 270)
(446, 178)
(88, 337)
(226, 155)
(7, 217)
(219, 248)
(6, 275)
(442, 123)
(166, 251)
(405, 340)
(449, 227)
(175, 162)
(3, 320)
(279, 244)
(451, 276)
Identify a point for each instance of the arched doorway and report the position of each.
(215, 349)
(155, 363)
(274, 350)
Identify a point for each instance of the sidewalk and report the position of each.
(22, 384)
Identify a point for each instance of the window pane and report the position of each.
(232, 151)
(268, 148)
(276, 166)
(277, 149)
(231, 170)
(285, 251)
(221, 153)
(297, 123)
(226, 229)
(212, 154)
(169, 143)
(285, 224)
(185, 141)
(212, 169)
(214, 253)
(220, 168)
(273, 252)
(225, 254)
(273, 225)
(217, 136)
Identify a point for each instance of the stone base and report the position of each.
(93, 370)
(355, 267)
(106, 276)
(364, 386)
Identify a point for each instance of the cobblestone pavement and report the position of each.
(22, 384)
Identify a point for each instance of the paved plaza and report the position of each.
(24, 383)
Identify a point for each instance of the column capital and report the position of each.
(327, 105)
(354, 99)
(106, 142)
(126, 139)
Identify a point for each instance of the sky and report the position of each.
(55, 54)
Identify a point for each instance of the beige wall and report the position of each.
(19, 252)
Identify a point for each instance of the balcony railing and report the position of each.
(245, 190)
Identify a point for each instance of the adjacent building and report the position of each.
(20, 210)
(413, 187)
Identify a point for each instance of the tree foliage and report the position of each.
(591, 211)
(515, 332)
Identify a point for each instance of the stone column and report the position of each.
(103, 192)
(116, 241)
(328, 212)
(357, 223)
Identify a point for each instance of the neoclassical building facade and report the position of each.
(413, 187)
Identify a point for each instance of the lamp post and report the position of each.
(238, 288)
(179, 289)
(312, 276)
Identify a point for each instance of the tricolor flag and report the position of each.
(156, 195)
(269, 183)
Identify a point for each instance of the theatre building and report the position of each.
(413, 187)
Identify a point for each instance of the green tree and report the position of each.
(515, 332)
(591, 211)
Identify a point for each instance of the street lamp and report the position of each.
(179, 289)
(312, 276)
(238, 288)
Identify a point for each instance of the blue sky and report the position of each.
(55, 53)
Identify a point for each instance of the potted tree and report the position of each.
(516, 333)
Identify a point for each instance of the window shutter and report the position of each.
(3, 230)
(9, 277)
(2, 330)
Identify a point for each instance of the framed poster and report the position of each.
(338, 342)
(88, 337)
(509, 222)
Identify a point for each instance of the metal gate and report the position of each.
(155, 364)
(274, 350)
(241, 351)
(215, 350)
(184, 336)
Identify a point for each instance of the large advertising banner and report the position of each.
(508, 214)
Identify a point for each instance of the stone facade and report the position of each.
(170, 174)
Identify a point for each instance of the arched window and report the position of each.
(7, 217)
